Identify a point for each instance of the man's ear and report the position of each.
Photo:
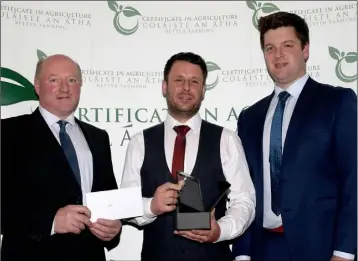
(203, 92)
(164, 88)
(37, 86)
(306, 52)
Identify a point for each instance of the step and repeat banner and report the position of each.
(122, 48)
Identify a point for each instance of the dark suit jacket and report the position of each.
(36, 181)
(318, 174)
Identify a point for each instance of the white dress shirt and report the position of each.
(241, 207)
(84, 155)
(270, 220)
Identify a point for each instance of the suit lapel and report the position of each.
(301, 113)
(260, 119)
(259, 122)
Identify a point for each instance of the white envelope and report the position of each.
(115, 204)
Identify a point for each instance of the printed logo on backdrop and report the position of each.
(212, 67)
(246, 76)
(329, 15)
(128, 20)
(15, 87)
(120, 79)
(319, 16)
(44, 18)
(116, 79)
(343, 71)
(121, 15)
(259, 9)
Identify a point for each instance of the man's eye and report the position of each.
(72, 80)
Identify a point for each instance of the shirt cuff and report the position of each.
(225, 230)
(53, 228)
(147, 213)
(147, 217)
(344, 255)
(242, 258)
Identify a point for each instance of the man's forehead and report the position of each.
(53, 65)
(188, 75)
(63, 60)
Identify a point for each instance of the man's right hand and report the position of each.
(72, 219)
(165, 198)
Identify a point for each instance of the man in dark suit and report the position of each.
(49, 161)
(301, 147)
(211, 153)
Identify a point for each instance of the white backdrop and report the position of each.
(122, 48)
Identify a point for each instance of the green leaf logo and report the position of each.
(350, 57)
(122, 13)
(211, 68)
(130, 11)
(113, 6)
(269, 8)
(341, 57)
(41, 55)
(256, 6)
(21, 90)
(252, 5)
(333, 52)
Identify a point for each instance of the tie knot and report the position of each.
(283, 96)
(182, 129)
(62, 124)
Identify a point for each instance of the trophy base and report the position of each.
(192, 221)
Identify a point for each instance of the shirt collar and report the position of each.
(295, 88)
(194, 122)
(52, 119)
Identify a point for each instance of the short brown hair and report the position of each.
(284, 19)
(187, 57)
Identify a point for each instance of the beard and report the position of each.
(183, 111)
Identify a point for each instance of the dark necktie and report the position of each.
(179, 149)
(69, 150)
(276, 151)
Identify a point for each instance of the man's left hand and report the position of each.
(202, 236)
(106, 229)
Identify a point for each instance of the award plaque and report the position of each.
(190, 211)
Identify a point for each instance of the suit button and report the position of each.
(286, 210)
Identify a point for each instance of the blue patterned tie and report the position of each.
(69, 150)
(276, 151)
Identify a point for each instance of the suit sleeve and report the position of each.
(345, 144)
(111, 183)
(241, 246)
(19, 215)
